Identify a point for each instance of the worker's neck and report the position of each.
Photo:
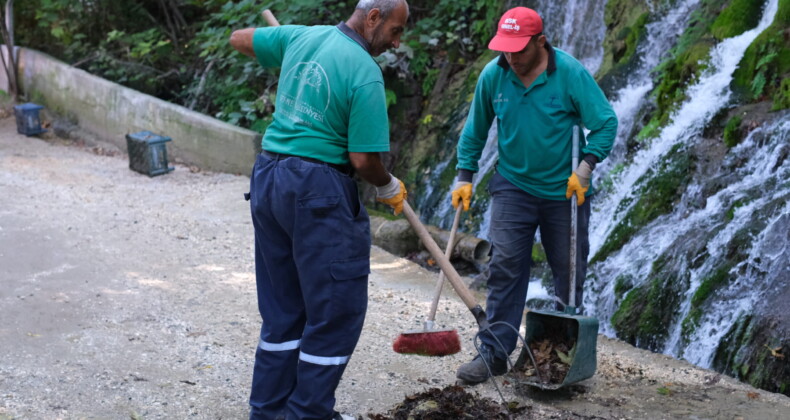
(357, 22)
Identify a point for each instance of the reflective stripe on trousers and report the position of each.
(312, 260)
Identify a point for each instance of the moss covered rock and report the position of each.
(738, 17)
(661, 188)
(625, 27)
(644, 317)
(765, 67)
(755, 350)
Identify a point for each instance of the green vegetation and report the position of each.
(764, 69)
(731, 211)
(676, 74)
(382, 213)
(646, 313)
(622, 284)
(633, 34)
(607, 183)
(765, 64)
(480, 198)
(720, 277)
(747, 352)
(660, 189)
(178, 50)
(625, 24)
(732, 133)
(438, 130)
(538, 253)
(781, 97)
(738, 17)
(649, 131)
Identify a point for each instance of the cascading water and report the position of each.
(576, 27)
(766, 266)
(706, 98)
(763, 151)
(661, 36)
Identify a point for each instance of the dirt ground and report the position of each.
(125, 296)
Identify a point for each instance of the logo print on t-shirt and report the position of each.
(552, 103)
(311, 75)
(306, 95)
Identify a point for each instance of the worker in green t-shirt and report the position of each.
(537, 94)
(312, 233)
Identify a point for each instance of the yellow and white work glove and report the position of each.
(392, 194)
(579, 182)
(462, 192)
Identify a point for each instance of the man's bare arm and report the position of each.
(241, 40)
(370, 168)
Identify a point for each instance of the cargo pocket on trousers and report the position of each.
(350, 285)
(320, 221)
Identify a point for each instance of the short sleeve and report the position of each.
(368, 125)
(269, 44)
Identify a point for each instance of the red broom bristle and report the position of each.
(437, 343)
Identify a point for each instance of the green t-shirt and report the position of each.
(534, 124)
(330, 97)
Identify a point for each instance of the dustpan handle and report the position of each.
(574, 227)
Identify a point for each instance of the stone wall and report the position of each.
(110, 111)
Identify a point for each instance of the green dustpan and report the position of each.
(582, 331)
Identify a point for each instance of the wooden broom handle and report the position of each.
(268, 16)
(437, 254)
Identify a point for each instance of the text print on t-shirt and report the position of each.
(309, 96)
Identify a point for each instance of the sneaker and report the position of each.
(339, 416)
(476, 371)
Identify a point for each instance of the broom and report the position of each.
(430, 341)
(433, 345)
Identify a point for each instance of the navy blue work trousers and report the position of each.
(515, 217)
(312, 260)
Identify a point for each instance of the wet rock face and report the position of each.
(757, 351)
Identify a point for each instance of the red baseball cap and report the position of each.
(516, 27)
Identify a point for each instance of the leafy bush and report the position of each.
(178, 50)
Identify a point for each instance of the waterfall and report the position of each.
(706, 98)
(763, 149)
(661, 36)
(576, 27)
(763, 152)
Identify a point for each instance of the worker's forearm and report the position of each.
(241, 41)
(370, 168)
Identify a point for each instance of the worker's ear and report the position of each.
(373, 18)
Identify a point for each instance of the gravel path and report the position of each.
(125, 296)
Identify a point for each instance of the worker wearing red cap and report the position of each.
(537, 93)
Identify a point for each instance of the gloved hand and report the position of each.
(462, 191)
(392, 194)
(579, 182)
